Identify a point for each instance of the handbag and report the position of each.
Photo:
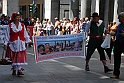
(106, 42)
(5, 61)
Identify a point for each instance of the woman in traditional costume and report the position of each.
(15, 38)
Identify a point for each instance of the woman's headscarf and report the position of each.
(14, 15)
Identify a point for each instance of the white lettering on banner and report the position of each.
(60, 55)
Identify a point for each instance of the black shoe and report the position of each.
(19, 73)
(14, 72)
(115, 77)
(106, 69)
(87, 68)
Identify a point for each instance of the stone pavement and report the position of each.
(65, 70)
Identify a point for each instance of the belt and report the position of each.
(96, 37)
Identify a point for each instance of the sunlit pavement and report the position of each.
(65, 70)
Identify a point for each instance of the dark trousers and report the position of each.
(109, 50)
(92, 45)
(118, 50)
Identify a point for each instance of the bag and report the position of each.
(106, 42)
(5, 61)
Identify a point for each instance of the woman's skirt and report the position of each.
(17, 58)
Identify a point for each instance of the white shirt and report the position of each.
(49, 26)
(89, 24)
(17, 45)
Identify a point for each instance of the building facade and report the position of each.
(108, 9)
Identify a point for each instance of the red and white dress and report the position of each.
(15, 39)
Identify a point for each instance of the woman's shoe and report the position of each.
(14, 72)
(87, 68)
(19, 73)
(114, 76)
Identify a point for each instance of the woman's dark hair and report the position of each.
(40, 46)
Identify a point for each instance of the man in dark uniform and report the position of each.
(119, 45)
(96, 27)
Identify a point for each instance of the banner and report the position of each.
(53, 47)
(30, 31)
(2, 33)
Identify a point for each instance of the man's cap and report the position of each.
(3, 15)
(95, 14)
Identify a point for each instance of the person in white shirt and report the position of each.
(49, 27)
(38, 25)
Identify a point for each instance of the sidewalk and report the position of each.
(66, 70)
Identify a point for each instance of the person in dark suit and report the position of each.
(119, 45)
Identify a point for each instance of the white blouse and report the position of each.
(17, 45)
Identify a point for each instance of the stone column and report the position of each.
(4, 10)
(10, 6)
(115, 16)
(52, 9)
(93, 4)
(73, 9)
(47, 10)
(61, 12)
(97, 6)
(83, 8)
(106, 13)
(88, 6)
(55, 9)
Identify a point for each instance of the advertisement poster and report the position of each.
(62, 46)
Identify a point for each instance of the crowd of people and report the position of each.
(60, 27)
(46, 27)
(94, 29)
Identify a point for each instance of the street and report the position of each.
(64, 70)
